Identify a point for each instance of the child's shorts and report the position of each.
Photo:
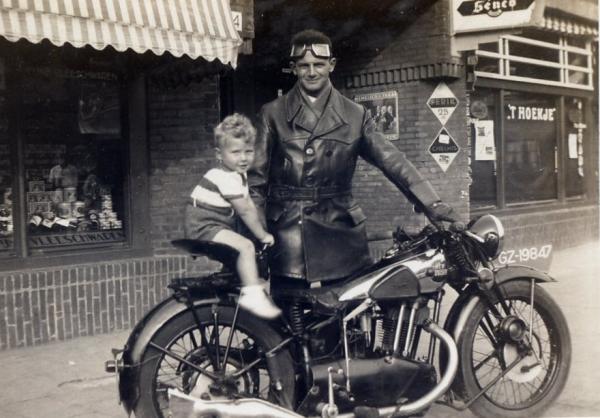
(202, 222)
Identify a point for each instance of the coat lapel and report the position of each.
(331, 119)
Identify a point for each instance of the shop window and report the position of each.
(72, 159)
(483, 148)
(530, 150)
(530, 128)
(574, 155)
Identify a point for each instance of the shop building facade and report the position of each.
(124, 135)
(107, 113)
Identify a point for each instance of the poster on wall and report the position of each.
(382, 107)
(485, 149)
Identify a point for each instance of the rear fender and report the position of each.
(139, 339)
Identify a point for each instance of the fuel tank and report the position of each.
(401, 276)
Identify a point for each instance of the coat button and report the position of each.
(329, 153)
(308, 211)
(309, 181)
(309, 151)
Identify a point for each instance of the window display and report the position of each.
(537, 141)
(530, 131)
(6, 185)
(72, 160)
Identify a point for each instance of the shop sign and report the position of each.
(493, 8)
(443, 149)
(442, 102)
(485, 15)
(545, 114)
(75, 238)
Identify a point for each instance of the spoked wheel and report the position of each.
(493, 340)
(220, 363)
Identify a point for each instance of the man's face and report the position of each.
(313, 73)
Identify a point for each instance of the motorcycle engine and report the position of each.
(374, 382)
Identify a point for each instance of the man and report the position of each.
(306, 151)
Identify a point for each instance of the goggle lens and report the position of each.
(318, 50)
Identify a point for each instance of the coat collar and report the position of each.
(331, 119)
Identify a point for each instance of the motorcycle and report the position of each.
(367, 346)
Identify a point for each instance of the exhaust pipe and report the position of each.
(184, 406)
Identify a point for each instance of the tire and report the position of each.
(181, 335)
(524, 392)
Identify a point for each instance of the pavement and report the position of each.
(67, 379)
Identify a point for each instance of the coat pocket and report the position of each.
(357, 215)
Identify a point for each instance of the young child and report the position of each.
(221, 195)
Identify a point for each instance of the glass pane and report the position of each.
(579, 42)
(533, 51)
(73, 160)
(579, 60)
(483, 153)
(577, 77)
(489, 65)
(521, 69)
(489, 46)
(544, 36)
(530, 141)
(575, 156)
(6, 177)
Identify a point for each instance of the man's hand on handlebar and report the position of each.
(440, 211)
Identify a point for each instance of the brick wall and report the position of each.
(412, 63)
(40, 306)
(181, 150)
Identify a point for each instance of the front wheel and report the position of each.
(495, 338)
(221, 348)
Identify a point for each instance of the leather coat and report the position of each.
(321, 237)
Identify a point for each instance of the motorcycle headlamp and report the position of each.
(490, 230)
(318, 50)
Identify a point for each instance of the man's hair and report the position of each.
(234, 126)
(311, 36)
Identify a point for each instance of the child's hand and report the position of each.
(268, 240)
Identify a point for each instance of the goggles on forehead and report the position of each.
(318, 50)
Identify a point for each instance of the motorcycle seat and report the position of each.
(219, 252)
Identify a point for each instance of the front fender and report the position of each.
(139, 339)
(518, 271)
(463, 306)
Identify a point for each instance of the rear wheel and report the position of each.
(271, 379)
(490, 343)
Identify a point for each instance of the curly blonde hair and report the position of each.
(234, 126)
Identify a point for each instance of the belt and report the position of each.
(277, 192)
(227, 211)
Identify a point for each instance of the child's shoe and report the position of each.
(254, 299)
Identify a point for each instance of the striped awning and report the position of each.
(197, 28)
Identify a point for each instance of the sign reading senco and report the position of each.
(485, 15)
